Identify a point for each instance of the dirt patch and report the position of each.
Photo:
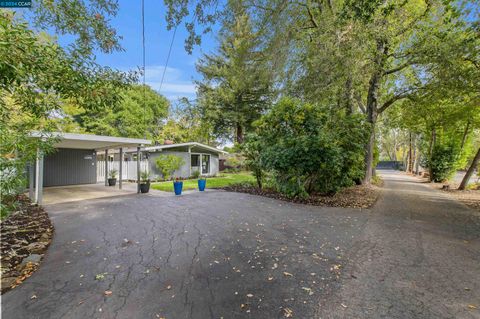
(471, 197)
(25, 236)
(360, 196)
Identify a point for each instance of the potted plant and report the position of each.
(178, 186)
(144, 182)
(167, 165)
(202, 182)
(112, 177)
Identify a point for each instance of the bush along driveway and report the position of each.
(236, 255)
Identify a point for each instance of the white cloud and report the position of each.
(174, 85)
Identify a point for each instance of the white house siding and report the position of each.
(184, 171)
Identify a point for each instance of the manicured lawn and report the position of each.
(212, 182)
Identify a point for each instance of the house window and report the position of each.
(195, 160)
(205, 164)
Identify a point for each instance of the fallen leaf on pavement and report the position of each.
(287, 313)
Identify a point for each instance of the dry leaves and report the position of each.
(287, 312)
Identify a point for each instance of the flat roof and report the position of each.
(90, 141)
(189, 144)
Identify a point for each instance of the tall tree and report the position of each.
(36, 77)
(237, 85)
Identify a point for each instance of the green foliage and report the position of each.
(36, 77)
(307, 148)
(442, 162)
(87, 21)
(112, 173)
(196, 174)
(237, 84)
(251, 151)
(144, 177)
(223, 180)
(186, 124)
(235, 162)
(168, 164)
(133, 116)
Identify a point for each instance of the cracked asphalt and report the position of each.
(416, 254)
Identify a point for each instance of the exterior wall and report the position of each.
(70, 167)
(184, 171)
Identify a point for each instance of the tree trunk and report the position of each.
(433, 140)
(465, 134)
(239, 134)
(369, 150)
(410, 154)
(470, 170)
(372, 108)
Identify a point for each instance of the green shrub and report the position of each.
(168, 164)
(196, 174)
(308, 148)
(443, 162)
(251, 150)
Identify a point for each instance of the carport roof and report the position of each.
(90, 141)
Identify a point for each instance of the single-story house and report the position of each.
(196, 157)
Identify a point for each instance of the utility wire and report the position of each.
(168, 58)
(144, 71)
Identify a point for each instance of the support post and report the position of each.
(39, 178)
(106, 167)
(31, 181)
(120, 169)
(138, 169)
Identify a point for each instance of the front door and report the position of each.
(205, 164)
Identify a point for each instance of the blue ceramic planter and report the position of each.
(177, 187)
(201, 184)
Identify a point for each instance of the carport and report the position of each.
(74, 161)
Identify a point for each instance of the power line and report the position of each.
(168, 58)
(144, 71)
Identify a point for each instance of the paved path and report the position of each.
(230, 255)
(418, 257)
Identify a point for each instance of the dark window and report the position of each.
(195, 160)
(205, 164)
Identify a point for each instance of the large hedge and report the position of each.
(309, 148)
(443, 161)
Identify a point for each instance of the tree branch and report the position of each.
(399, 68)
(392, 100)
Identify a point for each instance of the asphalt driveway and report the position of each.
(205, 255)
(416, 254)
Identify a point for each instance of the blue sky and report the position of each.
(181, 67)
(181, 70)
